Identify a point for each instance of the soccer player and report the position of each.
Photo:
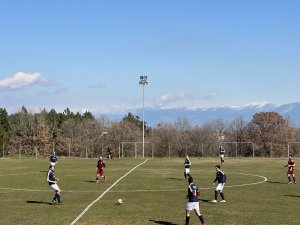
(187, 165)
(222, 154)
(100, 169)
(221, 178)
(109, 153)
(291, 168)
(193, 202)
(53, 159)
(52, 181)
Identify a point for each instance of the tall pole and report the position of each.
(143, 124)
(143, 81)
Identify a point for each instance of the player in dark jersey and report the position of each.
(193, 202)
(291, 169)
(52, 181)
(187, 166)
(100, 169)
(221, 178)
(222, 154)
(53, 159)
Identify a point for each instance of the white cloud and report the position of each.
(169, 98)
(21, 80)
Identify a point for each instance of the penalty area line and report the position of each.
(107, 190)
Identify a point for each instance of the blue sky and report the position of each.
(89, 54)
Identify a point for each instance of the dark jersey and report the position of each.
(222, 151)
(51, 176)
(193, 193)
(53, 158)
(220, 177)
(187, 163)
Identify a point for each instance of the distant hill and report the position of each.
(154, 116)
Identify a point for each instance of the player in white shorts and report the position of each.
(193, 202)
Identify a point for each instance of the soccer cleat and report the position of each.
(214, 201)
(54, 201)
(290, 183)
(223, 201)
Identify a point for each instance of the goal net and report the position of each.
(135, 149)
(294, 149)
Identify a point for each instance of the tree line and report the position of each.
(82, 135)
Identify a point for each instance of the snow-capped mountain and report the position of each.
(198, 116)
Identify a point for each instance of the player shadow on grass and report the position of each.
(39, 202)
(275, 182)
(204, 200)
(89, 181)
(295, 196)
(163, 222)
(175, 178)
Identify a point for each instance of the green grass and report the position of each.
(152, 194)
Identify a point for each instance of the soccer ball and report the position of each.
(120, 201)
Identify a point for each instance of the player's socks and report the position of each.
(222, 195)
(201, 219)
(58, 197)
(184, 175)
(216, 195)
(187, 220)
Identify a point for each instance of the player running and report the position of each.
(187, 165)
(221, 178)
(193, 202)
(291, 169)
(100, 169)
(52, 181)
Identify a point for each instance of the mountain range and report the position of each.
(199, 116)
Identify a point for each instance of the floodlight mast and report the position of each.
(143, 81)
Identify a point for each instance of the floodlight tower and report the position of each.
(143, 81)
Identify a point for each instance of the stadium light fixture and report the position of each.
(143, 82)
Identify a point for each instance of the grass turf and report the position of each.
(153, 193)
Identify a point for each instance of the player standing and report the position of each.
(291, 169)
(193, 202)
(222, 154)
(52, 181)
(187, 165)
(100, 169)
(53, 159)
(221, 178)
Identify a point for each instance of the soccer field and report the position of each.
(153, 192)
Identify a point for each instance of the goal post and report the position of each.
(294, 148)
(135, 149)
(239, 148)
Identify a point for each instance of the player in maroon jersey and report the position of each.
(100, 170)
(291, 168)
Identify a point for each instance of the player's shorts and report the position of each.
(54, 187)
(52, 163)
(187, 170)
(192, 205)
(100, 172)
(290, 171)
(222, 156)
(220, 187)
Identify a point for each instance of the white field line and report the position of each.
(107, 190)
(144, 190)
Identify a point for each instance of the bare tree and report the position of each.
(270, 131)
